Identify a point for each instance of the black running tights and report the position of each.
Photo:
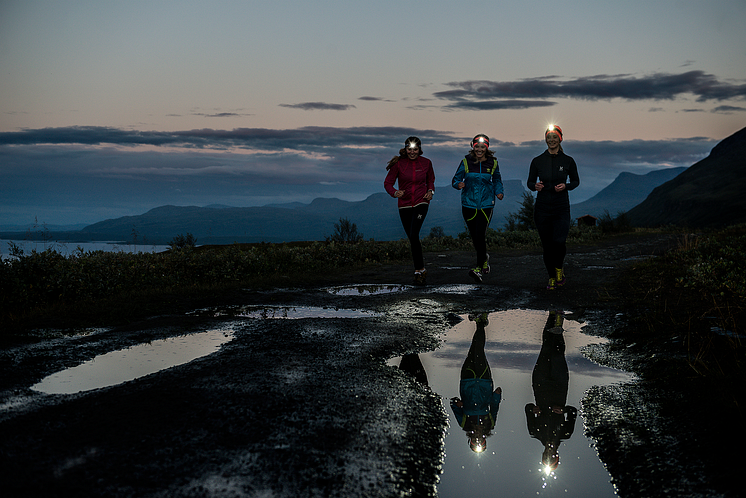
(412, 219)
(553, 228)
(477, 222)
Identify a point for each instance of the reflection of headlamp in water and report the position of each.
(550, 461)
(477, 443)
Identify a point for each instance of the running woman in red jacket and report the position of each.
(415, 189)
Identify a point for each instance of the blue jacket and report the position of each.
(483, 183)
(478, 399)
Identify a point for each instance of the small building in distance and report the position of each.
(587, 221)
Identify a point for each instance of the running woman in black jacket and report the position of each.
(552, 175)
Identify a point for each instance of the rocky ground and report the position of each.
(308, 408)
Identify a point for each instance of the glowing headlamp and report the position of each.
(553, 128)
(481, 139)
(412, 145)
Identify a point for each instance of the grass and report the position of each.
(695, 294)
(691, 302)
(45, 289)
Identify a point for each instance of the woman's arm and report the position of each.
(497, 182)
(388, 183)
(458, 178)
(573, 174)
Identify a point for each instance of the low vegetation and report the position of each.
(92, 288)
(692, 302)
(694, 295)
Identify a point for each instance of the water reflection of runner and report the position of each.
(412, 364)
(550, 420)
(476, 410)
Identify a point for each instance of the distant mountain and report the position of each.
(624, 193)
(44, 227)
(709, 193)
(376, 217)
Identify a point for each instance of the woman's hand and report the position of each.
(398, 193)
(539, 185)
(429, 195)
(460, 185)
(560, 187)
(500, 196)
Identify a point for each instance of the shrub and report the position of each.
(345, 232)
(182, 242)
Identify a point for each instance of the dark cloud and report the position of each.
(491, 105)
(657, 86)
(220, 115)
(319, 106)
(727, 109)
(99, 172)
(309, 138)
(370, 98)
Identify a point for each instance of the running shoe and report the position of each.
(476, 274)
(420, 277)
(482, 319)
(552, 284)
(560, 277)
(486, 266)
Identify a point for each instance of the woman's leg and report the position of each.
(475, 366)
(561, 229)
(545, 227)
(412, 220)
(477, 222)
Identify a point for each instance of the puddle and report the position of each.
(286, 312)
(367, 290)
(124, 365)
(510, 459)
(371, 290)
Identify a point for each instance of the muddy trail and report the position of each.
(308, 406)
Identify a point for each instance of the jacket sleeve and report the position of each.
(388, 183)
(497, 181)
(533, 174)
(458, 412)
(459, 176)
(568, 426)
(431, 177)
(533, 430)
(495, 404)
(573, 174)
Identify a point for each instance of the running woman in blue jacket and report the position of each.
(478, 178)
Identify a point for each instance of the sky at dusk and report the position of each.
(112, 108)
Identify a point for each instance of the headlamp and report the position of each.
(481, 139)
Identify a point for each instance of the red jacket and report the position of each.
(415, 179)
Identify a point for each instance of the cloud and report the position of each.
(91, 173)
(727, 109)
(319, 106)
(220, 114)
(309, 138)
(491, 105)
(656, 86)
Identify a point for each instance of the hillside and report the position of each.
(708, 194)
(624, 193)
(375, 217)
